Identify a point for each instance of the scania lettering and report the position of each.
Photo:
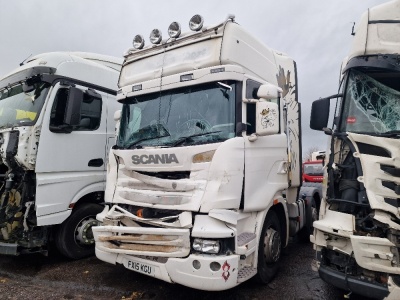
(202, 184)
(56, 126)
(154, 159)
(357, 236)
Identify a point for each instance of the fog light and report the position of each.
(174, 30)
(214, 266)
(138, 42)
(196, 264)
(196, 23)
(155, 36)
(206, 246)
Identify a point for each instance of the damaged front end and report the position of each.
(17, 198)
(357, 238)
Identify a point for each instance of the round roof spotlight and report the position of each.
(196, 23)
(155, 36)
(138, 42)
(174, 30)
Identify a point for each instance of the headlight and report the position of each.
(138, 42)
(196, 23)
(206, 246)
(155, 36)
(174, 30)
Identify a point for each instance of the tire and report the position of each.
(269, 249)
(311, 216)
(74, 238)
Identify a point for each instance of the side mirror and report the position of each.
(320, 114)
(267, 118)
(73, 108)
(269, 91)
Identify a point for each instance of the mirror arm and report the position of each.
(327, 131)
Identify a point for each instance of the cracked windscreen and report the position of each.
(186, 116)
(372, 103)
(19, 108)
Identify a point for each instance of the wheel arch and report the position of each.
(93, 193)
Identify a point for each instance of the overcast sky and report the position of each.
(316, 33)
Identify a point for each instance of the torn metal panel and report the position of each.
(208, 227)
(337, 223)
(116, 213)
(374, 176)
(374, 254)
(145, 241)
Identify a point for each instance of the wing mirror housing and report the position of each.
(320, 113)
(267, 119)
(117, 115)
(269, 91)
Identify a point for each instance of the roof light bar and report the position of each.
(196, 23)
(138, 42)
(155, 36)
(174, 30)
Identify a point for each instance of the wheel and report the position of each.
(269, 249)
(74, 238)
(311, 216)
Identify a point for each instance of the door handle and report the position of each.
(96, 162)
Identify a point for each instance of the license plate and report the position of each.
(139, 267)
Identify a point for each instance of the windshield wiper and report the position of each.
(159, 129)
(183, 139)
(135, 144)
(392, 133)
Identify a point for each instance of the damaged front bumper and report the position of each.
(161, 248)
(194, 271)
(365, 265)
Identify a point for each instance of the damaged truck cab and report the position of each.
(56, 126)
(202, 184)
(357, 237)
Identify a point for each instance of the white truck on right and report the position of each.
(357, 236)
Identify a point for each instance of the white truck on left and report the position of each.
(56, 127)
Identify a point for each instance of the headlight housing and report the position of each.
(203, 157)
(206, 246)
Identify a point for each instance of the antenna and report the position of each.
(352, 29)
(25, 60)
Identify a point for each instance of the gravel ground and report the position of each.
(54, 277)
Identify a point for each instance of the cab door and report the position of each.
(70, 161)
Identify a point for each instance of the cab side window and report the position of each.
(90, 111)
(251, 93)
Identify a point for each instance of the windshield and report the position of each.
(314, 169)
(372, 102)
(185, 116)
(18, 108)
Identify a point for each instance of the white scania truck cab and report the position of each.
(357, 237)
(202, 183)
(56, 128)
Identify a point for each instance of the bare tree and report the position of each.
(308, 153)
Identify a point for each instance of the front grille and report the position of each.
(373, 150)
